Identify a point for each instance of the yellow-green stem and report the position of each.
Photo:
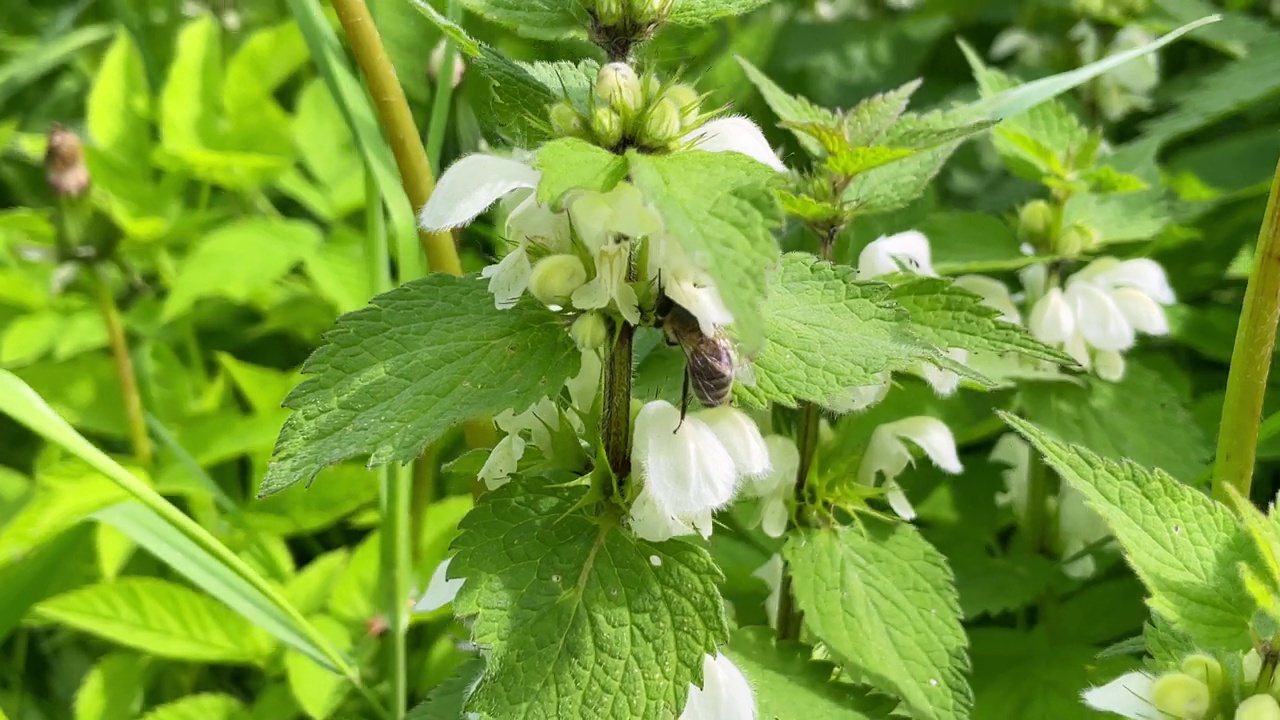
(397, 489)
(1251, 359)
(119, 342)
(397, 125)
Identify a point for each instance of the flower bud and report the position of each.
(555, 278)
(1251, 666)
(661, 124)
(64, 163)
(1206, 669)
(1258, 707)
(644, 12)
(436, 63)
(1075, 240)
(565, 121)
(688, 101)
(589, 331)
(1035, 223)
(606, 125)
(1181, 696)
(609, 12)
(619, 86)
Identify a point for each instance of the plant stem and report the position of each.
(134, 414)
(790, 617)
(615, 420)
(1251, 359)
(397, 124)
(443, 93)
(1036, 512)
(397, 491)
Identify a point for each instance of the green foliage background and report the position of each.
(241, 209)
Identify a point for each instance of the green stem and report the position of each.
(397, 125)
(1035, 513)
(790, 617)
(1251, 359)
(443, 94)
(397, 491)
(615, 420)
(134, 415)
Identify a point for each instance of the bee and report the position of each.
(710, 361)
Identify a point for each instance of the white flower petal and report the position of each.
(725, 693)
(1052, 319)
(509, 279)
(932, 436)
(784, 462)
(888, 254)
(502, 462)
(1109, 365)
(610, 284)
(735, 134)
(1143, 274)
(650, 522)
(1078, 349)
(1128, 696)
(695, 292)
(853, 399)
(944, 382)
(994, 293)
(599, 218)
(774, 516)
(531, 222)
(1034, 280)
(470, 186)
(584, 386)
(685, 467)
(898, 501)
(740, 436)
(771, 574)
(440, 589)
(1014, 452)
(1142, 312)
(1099, 318)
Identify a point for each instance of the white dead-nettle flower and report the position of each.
(776, 486)
(1139, 696)
(690, 468)
(725, 693)
(607, 223)
(860, 397)
(770, 573)
(1101, 310)
(436, 63)
(734, 134)
(1079, 526)
(539, 421)
(1028, 47)
(685, 283)
(441, 589)
(1128, 87)
(909, 251)
(887, 454)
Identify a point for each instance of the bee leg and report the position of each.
(684, 402)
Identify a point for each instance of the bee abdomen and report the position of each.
(711, 373)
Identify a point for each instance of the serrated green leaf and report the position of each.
(952, 317)
(572, 164)
(1184, 546)
(113, 688)
(447, 701)
(217, 267)
(1166, 645)
(1030, 675)
(717, 206)
(826, 333)
(867, 122)
(895, 185)
(788, 683)
(791, 108)
(882, 600)
(702, 12)
(1116, 421)
(425, 356)
(610, 626)
(542, 19)
(857, 160)
(972, 242)
(994, 585)
(806, 208)
(1119, 217)
(1234, 87)
(207, 706)
(159, 618)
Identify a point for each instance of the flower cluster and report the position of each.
(1201, 689)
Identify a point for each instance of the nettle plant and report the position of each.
(664, 375)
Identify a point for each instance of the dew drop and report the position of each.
(933, 682)
(555, 578)
(655, 561)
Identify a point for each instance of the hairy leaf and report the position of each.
(703, 12)
(572, 164)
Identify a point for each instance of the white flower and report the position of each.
(601, 218)
(1100, 313)
(776, 486)
(734, 134)
(539, 421)
(994, 294)
(685, 283)
(853, 399)
(770, 573)
(740, 437)
(687, 472)
(1128, 696)
(441, 590)
(888, 455)
(1015, 453)
(609, 286)
(584, 386)
(889, 254)
(725, 693)
(943, 381)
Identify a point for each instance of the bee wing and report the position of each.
(743, 371)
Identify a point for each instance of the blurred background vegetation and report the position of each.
(232, 213)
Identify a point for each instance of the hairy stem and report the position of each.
(615, 420)
(397, 125)
(1251, 359)
(790, 617)
(134, 415)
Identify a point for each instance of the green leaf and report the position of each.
(952, 317)
(791, 109)
(1184, 546)
(310, 589)
(113, 689)
(421, 358)
(857, 160)
(870, 119)
(717, 207)
(1119, 217)
(40, 574)
(1224, 92)
(895, 185)
(788, 683)
(240, 259)
(448, 700)
(827, 333)
(610, 626)
(972, 242)
(118, 113)
(1030, 675)
(318, 691)
(1115, 420)
(882, 599)
(542, 19)
(572, 164)
(340, 491)
(68, 493)
(159, 618)
(703, 12)
(207, 706)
